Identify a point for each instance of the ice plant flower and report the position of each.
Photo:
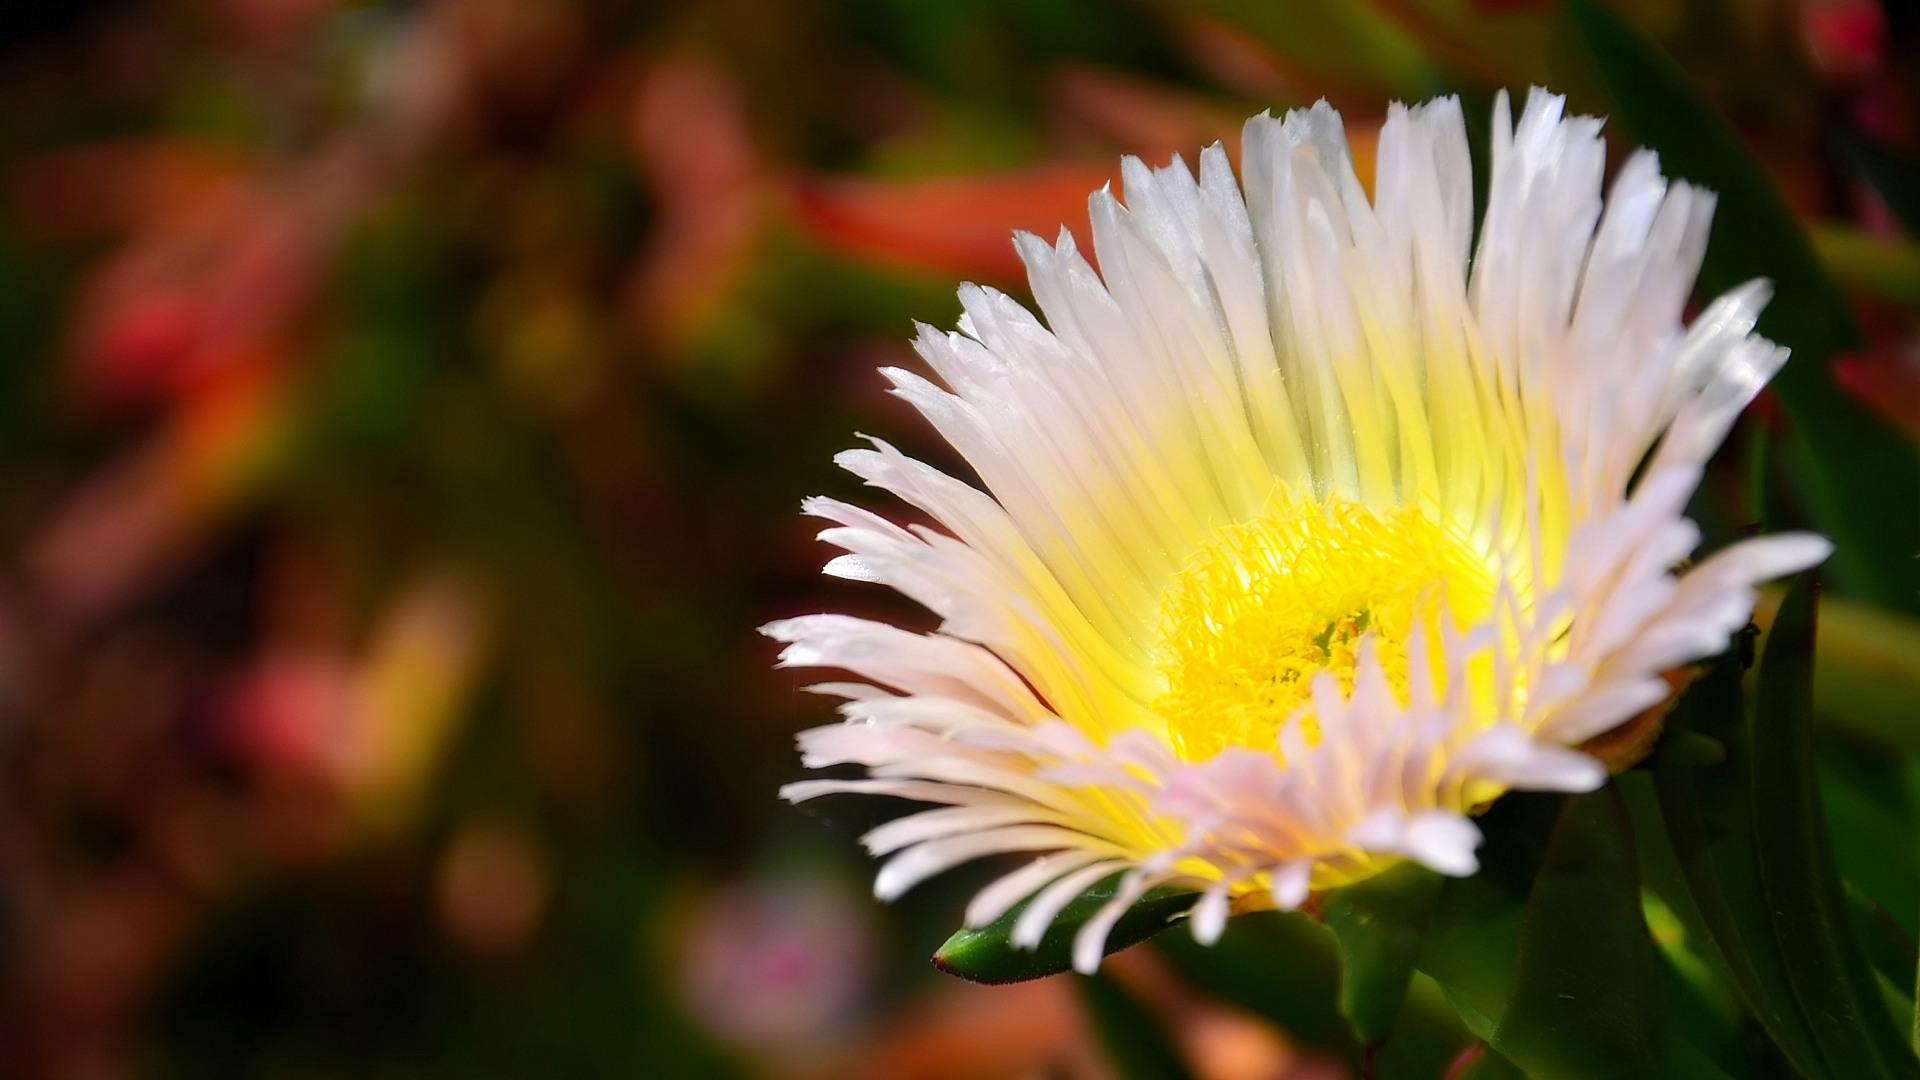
(1306, 532)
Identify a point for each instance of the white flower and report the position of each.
(1307, 535)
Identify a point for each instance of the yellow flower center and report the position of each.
(1255, 614)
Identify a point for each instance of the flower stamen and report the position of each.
(1268, 604)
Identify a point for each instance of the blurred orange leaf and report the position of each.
(689, 130)
(134, 518)
(1144, 117)
(949, 225)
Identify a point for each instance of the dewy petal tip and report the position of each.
(1306, 531)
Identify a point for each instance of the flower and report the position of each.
(1307, 535)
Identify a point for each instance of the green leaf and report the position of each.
(1426, 1035)
(1706, 810)
(1279, 965)
(1876, 839)
(1765, 493)
(1868, 511)
(1751, 840)
(1888, 948)
(1378, 923)
(1285, 967)
(1135, 1042)
(1867, 670)
(986, 954)
(1581, 1004)
(1703, 1007)
(1805, 897)
(1545, 951)
(1471, 944)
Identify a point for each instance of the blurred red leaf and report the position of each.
(88, 964)
(1844, 38)
(190, 292)
(91, 190)
(273, 25)
(1885, 381)
(291, 711)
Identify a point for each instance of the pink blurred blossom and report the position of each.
(777, 965)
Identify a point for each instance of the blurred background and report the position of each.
(404, 409)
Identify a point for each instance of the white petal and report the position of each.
(998, 898)
(1604, 708)
(1089, 945)
(1210, 913)
(1032, 924)
(953, 821)
(1290, 883)
(911, 867)
(920, 790)
(1443, 841)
